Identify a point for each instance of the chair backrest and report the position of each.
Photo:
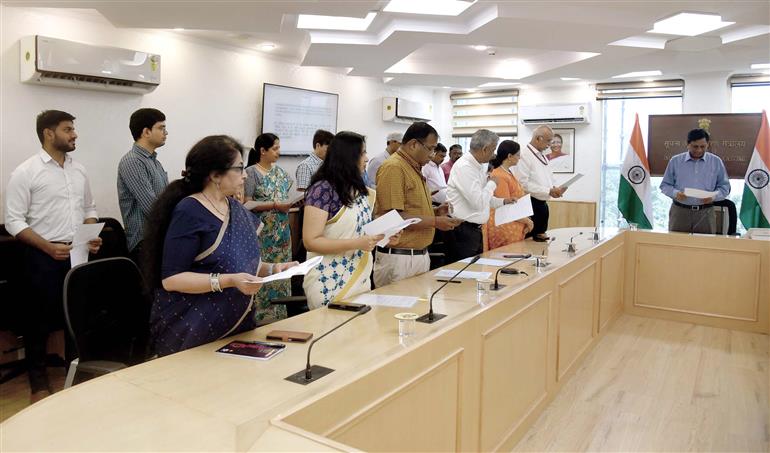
(106, 312)
(113, 239)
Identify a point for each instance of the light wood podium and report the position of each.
(474, 381)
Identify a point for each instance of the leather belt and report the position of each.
(470, 224)
(409, 252)
(696, 207)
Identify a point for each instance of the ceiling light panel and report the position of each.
(760, 66)
(314, 22)
(433, 7)
(647, 42)
(638, 74)
(689, 24)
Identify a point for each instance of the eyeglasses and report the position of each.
(239, 168)
(432, 149)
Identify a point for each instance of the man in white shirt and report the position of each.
(535, 175)
(47, 196)
(434, 176)
(470, 191)
(392, 143)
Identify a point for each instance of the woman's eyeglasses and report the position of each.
(238, 167)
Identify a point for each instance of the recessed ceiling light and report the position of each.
(446, 88)
(497, 84)
(480, 48)
(737, 34)
(647, 42)
(638, 74)
(267, 47)
(179, 29)
(760, 66)
(434, 7)
(386, 79)
(689, 24)
(315, 22)
(569, 79)
(648, 80)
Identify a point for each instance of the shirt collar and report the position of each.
(412, 163)
(144, 152)
(46, 158)
(472, 160)
(689, 157)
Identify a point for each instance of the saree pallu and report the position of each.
(346, 275)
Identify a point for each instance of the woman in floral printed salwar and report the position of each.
(269, 185)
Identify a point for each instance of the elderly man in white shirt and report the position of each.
(47, 196)
(470, 191)
(434, 176)
(392, 143)
(536, 177)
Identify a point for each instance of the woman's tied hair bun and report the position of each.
(186, 174)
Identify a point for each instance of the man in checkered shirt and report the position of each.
(307, 168)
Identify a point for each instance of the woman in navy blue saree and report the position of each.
(203, 252)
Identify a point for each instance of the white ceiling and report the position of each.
(534, 41)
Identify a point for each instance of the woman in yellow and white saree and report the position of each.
(337, 206)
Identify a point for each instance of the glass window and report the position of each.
(618, 123)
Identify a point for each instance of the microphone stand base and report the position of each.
(426, 318)
(498, 288)
(317, 372)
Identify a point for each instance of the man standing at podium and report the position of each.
(694, 169)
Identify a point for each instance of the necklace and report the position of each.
(213, 205)
(267, 170)
(542, 159)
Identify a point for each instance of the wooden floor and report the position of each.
(649, 385)
(653, 385)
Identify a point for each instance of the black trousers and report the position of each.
(43, 312)
(539, 217)
(466, 241)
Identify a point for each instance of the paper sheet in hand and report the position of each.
(571, 181)
(448, 273)
(388, 224)
(697, 193)
(83, 233)
(488, 262)
(514, 211)
(384, 300)
(300, 269)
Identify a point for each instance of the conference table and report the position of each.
(474, 380)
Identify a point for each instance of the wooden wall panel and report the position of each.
(514, 372)
(611, 293)
(577, 297)
(565, 214)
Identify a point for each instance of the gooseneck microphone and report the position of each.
(498, 286)
(315, 372)
(431, 317)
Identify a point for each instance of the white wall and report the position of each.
(588, 137)
(205, 89)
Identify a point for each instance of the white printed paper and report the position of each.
(84, 232)
(514, 211)
(300, 269)
(448, 273)
(384, 300)
(571, 181)
(488, 262)
(251, 204)
(388, 224)
(697, 193)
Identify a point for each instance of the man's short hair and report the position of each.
(697, 134)
(483, 138)
(456, 146)
(419, 131)
(50, 119)
(144, 118)
(322, 137)
(394, 137)
(440, 148)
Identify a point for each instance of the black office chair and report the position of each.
(113, 240)
(727, 222)
(296, 304)
(107, 316)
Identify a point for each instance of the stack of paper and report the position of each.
(384, 300)
(388, 224)
(514, 211)
(448, 273)
(83, 233)
(697, 193)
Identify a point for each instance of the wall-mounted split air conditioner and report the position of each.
(555, 114)
(401, 110)
(57, 62)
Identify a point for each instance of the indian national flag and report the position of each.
(755, 207)
(634, 199)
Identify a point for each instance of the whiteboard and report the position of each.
(294, 114)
